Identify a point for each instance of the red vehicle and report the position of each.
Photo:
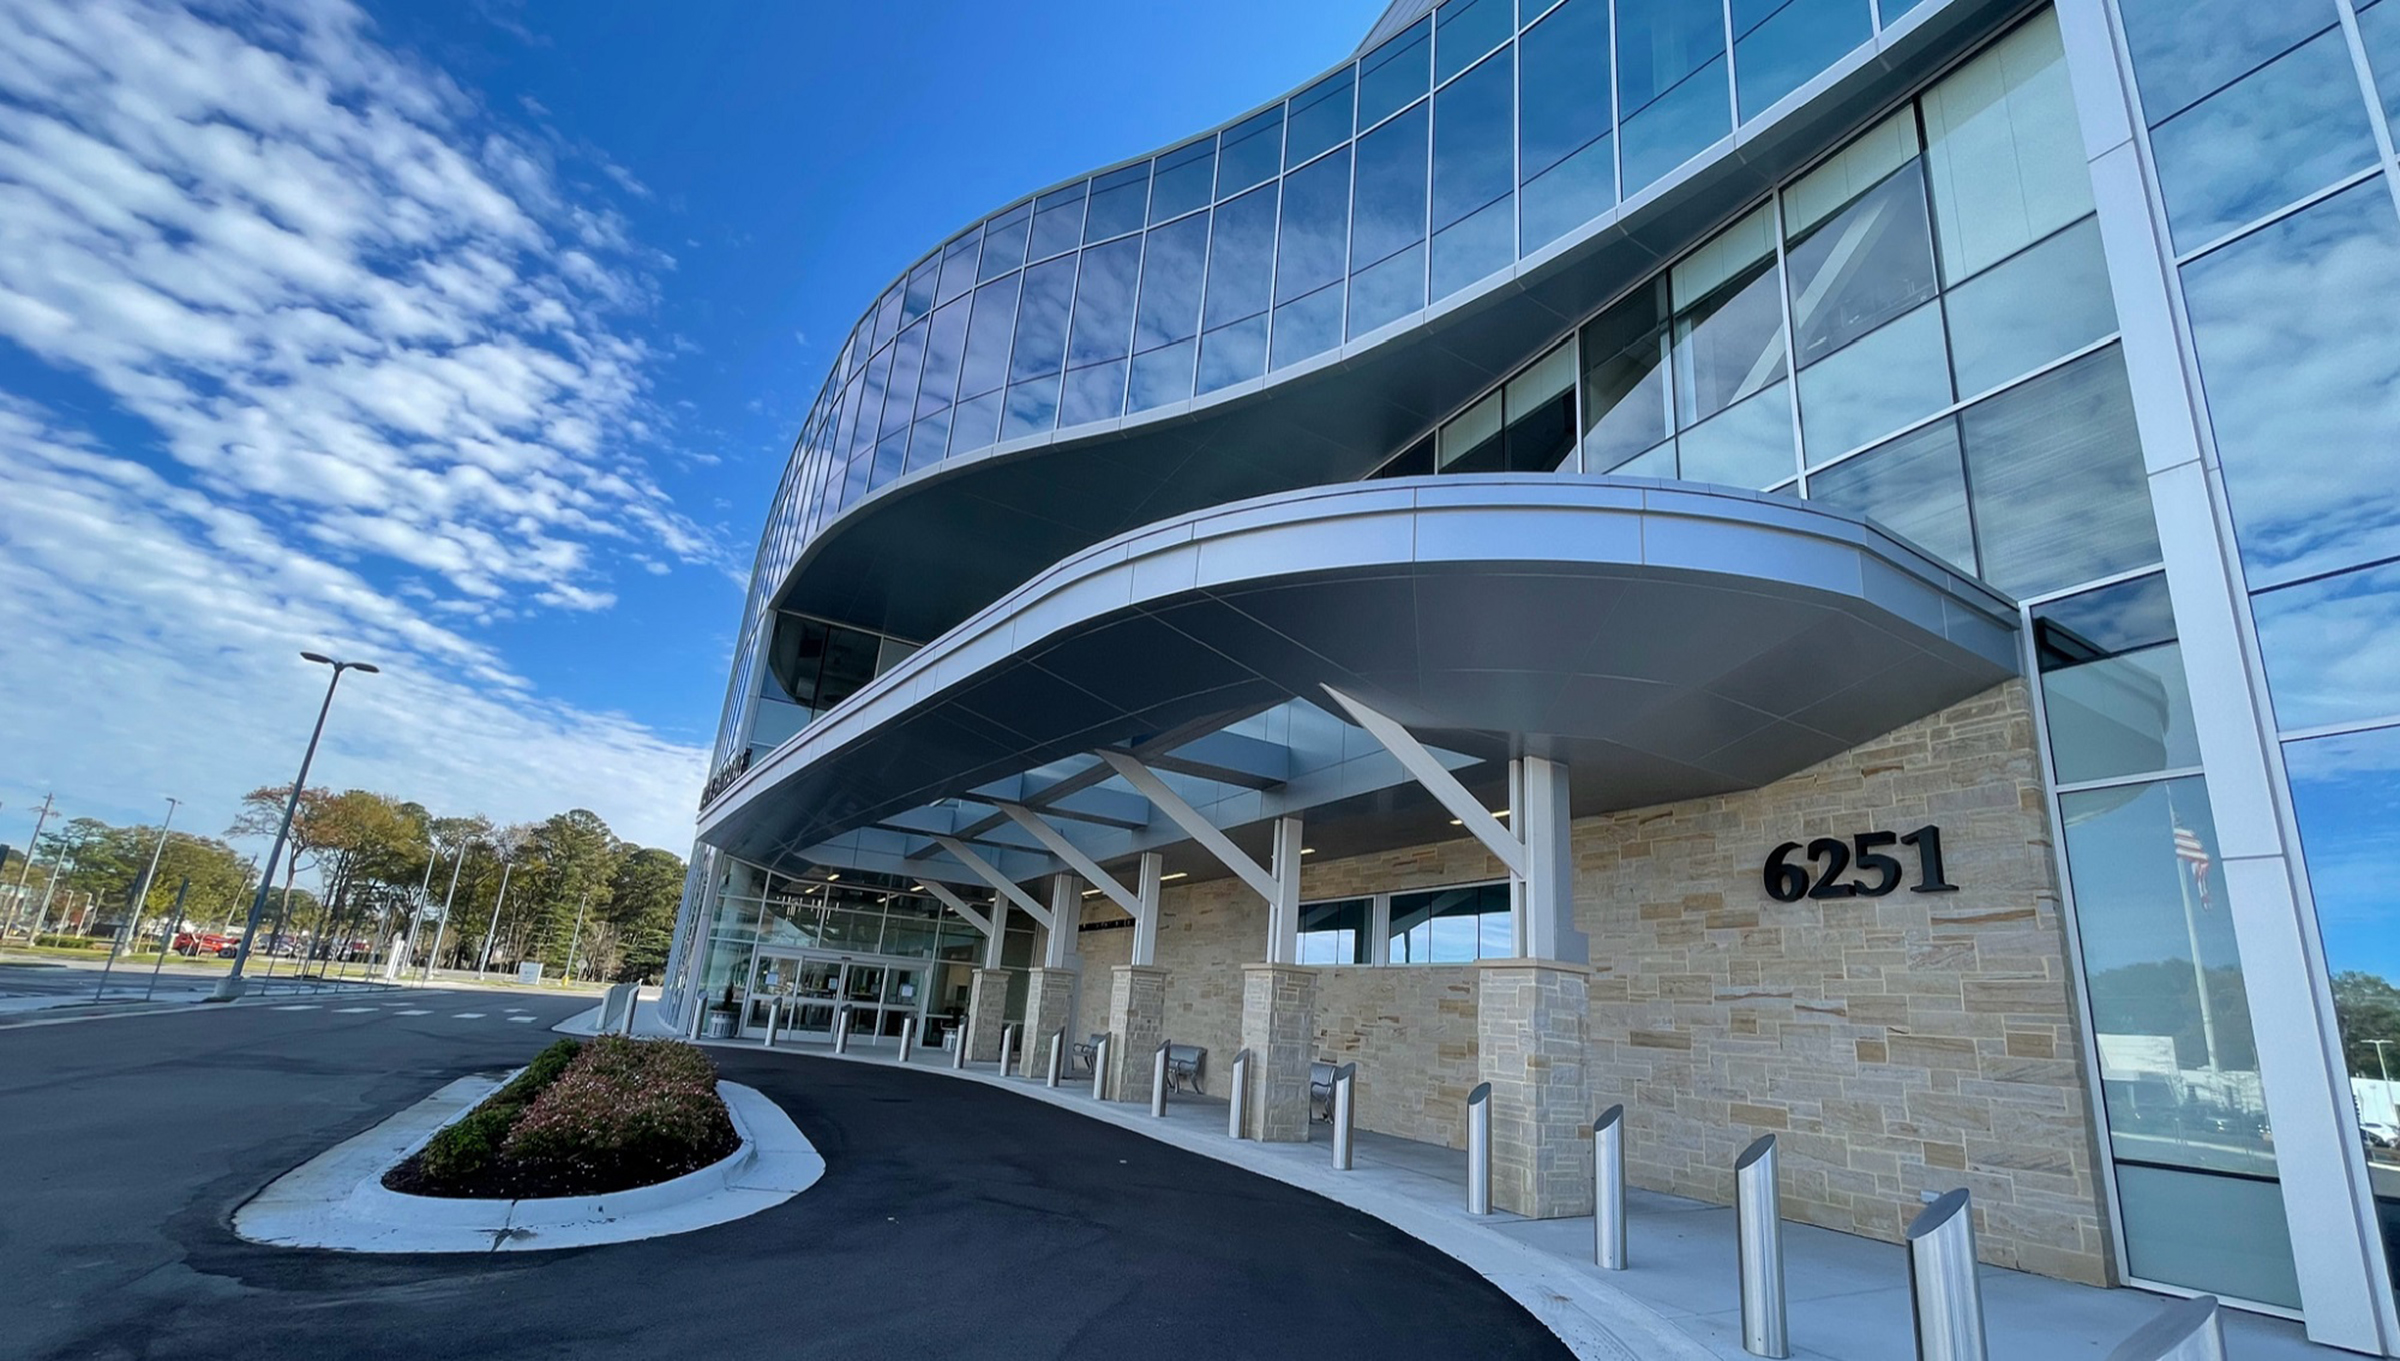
(201, 943)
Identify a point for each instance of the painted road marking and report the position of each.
(304, 1006)
(520, 1018)
(354, 1011)
(466, 1016)
(416, 1013)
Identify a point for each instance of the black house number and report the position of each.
(1829, 858)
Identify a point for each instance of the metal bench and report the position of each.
(1183, 1067)
(1320, 1091)
(1083, 1055)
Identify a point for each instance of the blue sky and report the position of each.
(470, 338)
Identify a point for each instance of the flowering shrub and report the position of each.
(467, 1147)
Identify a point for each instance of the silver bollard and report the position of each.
(1608, 1189)
(774, 1021)
(1943, 1291)
(1479, 1149)
(633, 1003)
(1758, 1220)
(2188, 1330)
(958, 1051)
(841, 1030)
(1058, 1047)
(1100, 1069)
(908, 1037)
(1345, 1109)
(1158, 1080)
(1237, 1102)
(1008, 1047)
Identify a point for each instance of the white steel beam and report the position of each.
(1439, 782)
(1001, 883)
(1146, 782)
(1057, 844)
(1283, 905)
(1065, 921)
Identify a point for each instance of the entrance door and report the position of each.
(819, 987)
(774, 986)
(903, 997)
(862, 991)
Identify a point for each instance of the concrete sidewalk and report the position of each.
(1848, 1296)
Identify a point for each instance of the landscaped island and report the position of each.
(585, 1118)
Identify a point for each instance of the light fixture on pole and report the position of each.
(484, 960)
(231, 985)
(408, 946)
(141, 886)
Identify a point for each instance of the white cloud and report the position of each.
(395, 374)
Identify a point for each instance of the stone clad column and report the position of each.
(1532, 1016)
(1137, 1021)
(987, 1013)
(1279, 1028)
(1049, 1005)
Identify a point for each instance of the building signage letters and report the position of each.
(1829, 858)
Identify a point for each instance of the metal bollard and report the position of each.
(1100, 1069)
(1058, 1046)
(1158, 1080)
(1238, 1100)
(699, 1006)
(1758, 1219)
(1608, 1189)
(958, 1051)
(633, 1002)
(2187, 1330)
(774, 1021)
(1479, 1149)
(841, 1030)
(1345, 1111)
(908, 1037)
(1943, 1291)
(1008, 1047)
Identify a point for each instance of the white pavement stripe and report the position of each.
(354, 1011)
(416, 1013)
(520, 1018)
(304, 1006)
(466, 1016)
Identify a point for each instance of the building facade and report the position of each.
(1814, 566)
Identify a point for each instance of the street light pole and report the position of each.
(485, 960)
(231, 986)
(141, 886)
(443, 923)
(391, 966)
(39, 822)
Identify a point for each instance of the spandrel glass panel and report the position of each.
(1032, 408)
(1250, 152)
(2186, 50)
(1541, 413)
(1162, 376)
(988, 335)
(1915, 486)
(1470, 441)
(1104, 294)
(958, 266)
(1311, 250)
(2274, 137)
(1395, 73)
(2055, 469)
(900, 397)
(945, 343)
(1042, 320)
(1241, 258)
(1383, 293)
(1869, 263)
(1308, 326)
(1093, 394)
(2379, 33)
(2293, 328)
(2051, 299)
(1185, 179)
(2208, 1231)
(1004, 241)
(2003, 151)
(1472, 124)
(2122, 714)
(1467, 251)
(1843, 177)
(1058, 220)
(1172, 270)
(974, 423)
(1391, 190)
(1464, 30)
(1120, 202)
(1780, 45)
(1892, 378)
(1625, 407)
(1320, 117)
(1568, 195)
(1658, 462)
(1232, 354)
(917, 298)
(2332, 647)
(1748, 444)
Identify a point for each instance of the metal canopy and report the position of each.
(1667, 641)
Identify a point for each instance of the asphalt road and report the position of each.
(953, 1220)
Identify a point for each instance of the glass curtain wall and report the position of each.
(2265, 126)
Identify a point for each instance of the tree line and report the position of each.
(379, 863)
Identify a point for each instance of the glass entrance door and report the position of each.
(807, 991)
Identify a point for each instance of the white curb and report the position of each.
(337, 1199)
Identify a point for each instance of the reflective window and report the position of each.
(1120, 200)
(900, 394)
(2346, 795)
(1464, 30)
(1748, 444)
(1389, 220)
(2112, 683)
(1470, 442)
(1041, 343)
(917, 300)
(1232, 354)
(2277, 135)
(944, 344)
(2003, 151)
(1307, 326)
(2187, 1118)
(1104, 295)
(929, 441)
(2056, 469)
(1311, 251)
(887, 317)
(1473, 124)
(1915, 486)
(1671, 96)
(1250, 153)
(2186, 50)
(1778, 45)
(1320, 117)
(986, 364)
(1395, 73)
(1870, 344)
(1032, 407)
(1004, 240)
(1186, 179)
(1337, 932)
(1241, 258)
(1565, 159)
(958, 266)
(1096, 393)
(2379, 32)
(1172, 270)
(1450, 926)
(1868, 263)
(2332, 647)
(2292, 324)
(1383, 293)
(2049, 299)
(1540, 405)
(974, 423)
(870, 410)
(1891, 378)
(1626, 407)
(1161, 376)
(1728, 320)
(1058, 220)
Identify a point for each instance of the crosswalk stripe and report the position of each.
(304, 1006)
(416, 1013)
(466, 1016)
(353, 1011)
(520, 1018)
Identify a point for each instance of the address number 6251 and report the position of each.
(1827, 859)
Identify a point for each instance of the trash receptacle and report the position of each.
(717, 1024)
